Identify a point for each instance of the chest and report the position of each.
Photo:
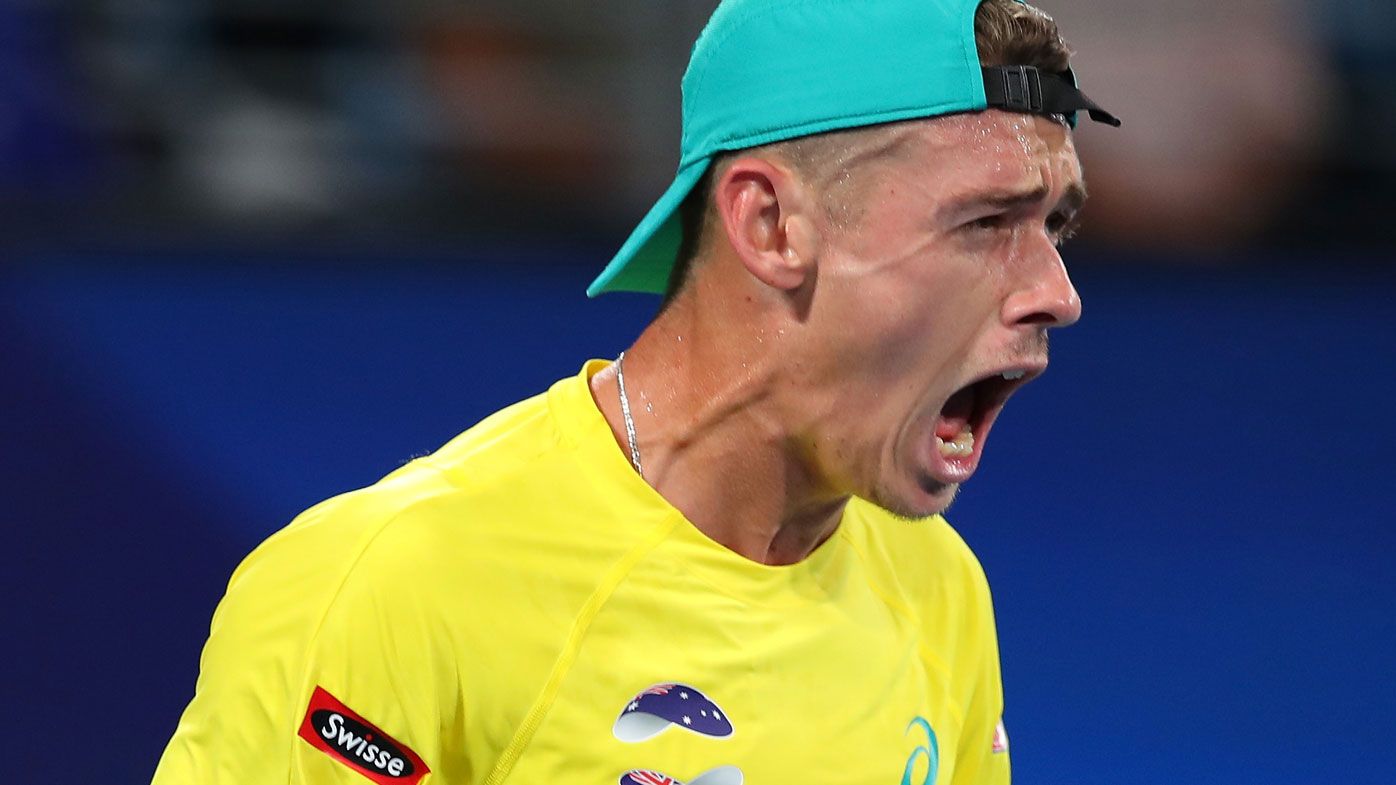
(678, 683)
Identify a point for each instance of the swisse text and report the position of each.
(356, 742)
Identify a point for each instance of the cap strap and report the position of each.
(1024, 88)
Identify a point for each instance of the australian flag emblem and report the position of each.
(655, 709)
(725, 775)
(645, 777)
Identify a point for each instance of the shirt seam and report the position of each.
(334, 598)
(616, 575)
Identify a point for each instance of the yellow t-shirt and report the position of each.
(521, 607)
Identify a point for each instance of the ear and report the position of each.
(766, 213)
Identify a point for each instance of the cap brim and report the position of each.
(644, 262)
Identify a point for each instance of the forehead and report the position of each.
(991, 150)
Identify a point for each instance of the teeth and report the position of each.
(1014, 376)
(962, 446)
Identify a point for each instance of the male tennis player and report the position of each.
(717, 560)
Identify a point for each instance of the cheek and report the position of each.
(904, 321)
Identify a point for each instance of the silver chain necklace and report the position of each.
(625, 413)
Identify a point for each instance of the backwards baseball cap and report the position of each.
(764, 71)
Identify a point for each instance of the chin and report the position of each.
(926, 498)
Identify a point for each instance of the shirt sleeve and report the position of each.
(326, 664)
(379, 694)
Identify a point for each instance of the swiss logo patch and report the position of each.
(335, 729)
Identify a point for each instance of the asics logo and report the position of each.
(924, 763)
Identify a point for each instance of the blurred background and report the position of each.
(255, 253)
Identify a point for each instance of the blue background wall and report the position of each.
(1187, 523)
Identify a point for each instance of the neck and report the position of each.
(714, 441)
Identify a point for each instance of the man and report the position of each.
(718, 559)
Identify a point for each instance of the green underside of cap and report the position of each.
(643, 264)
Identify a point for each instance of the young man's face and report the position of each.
(933, 301)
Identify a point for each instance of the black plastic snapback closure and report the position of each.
(1024, 88)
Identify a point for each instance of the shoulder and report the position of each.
(925, 559)
(515, 495)
(503, 444)
(437, 511)
(389, 595)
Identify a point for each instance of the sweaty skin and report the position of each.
(810, 356)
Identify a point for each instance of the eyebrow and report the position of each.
(1071, 204)
(1008, 200)
(1074, 198)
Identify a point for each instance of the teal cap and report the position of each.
(765, 71)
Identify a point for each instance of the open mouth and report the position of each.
(964, 422)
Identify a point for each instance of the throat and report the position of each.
(754, 505)
(792, 541)
(711, 437)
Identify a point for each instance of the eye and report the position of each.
(988, 222)
(1061, 227)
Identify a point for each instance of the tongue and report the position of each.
(954, 418)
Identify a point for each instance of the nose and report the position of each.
(1046, 299)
